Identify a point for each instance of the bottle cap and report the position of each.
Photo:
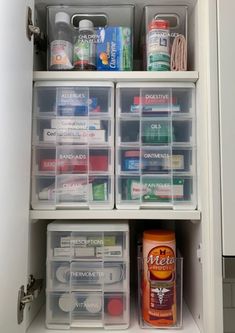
(86, 25)
(93, 304)
(62, 17)
(159, 235)
(67, 302)
(158, 24)
(115, 307)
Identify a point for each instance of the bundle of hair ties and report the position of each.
(179, 54)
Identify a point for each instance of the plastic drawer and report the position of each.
(92, 275)
(110, 245)
(87, 275)
(72, 130)
(156, 146)
(72, 191)
(73, 99)
(159, 191)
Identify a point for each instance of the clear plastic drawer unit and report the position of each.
(155, 146)
(73, 144)
(87, 275)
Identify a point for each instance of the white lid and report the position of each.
(62, 17)
(86, 25)
(88, 226)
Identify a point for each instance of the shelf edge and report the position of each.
(194, 215)
(187, 76)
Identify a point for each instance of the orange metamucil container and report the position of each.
(159, 283)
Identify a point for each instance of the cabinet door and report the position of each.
(226, 9)
(15, 136)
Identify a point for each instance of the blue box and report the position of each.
(114, 49)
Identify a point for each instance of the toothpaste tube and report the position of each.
(76, 191)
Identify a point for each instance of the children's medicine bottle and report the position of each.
(159, 283)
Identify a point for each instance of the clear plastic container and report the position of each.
(164, 40)
(155, 146)
(87, 275)
(107, 26)
(73, 140)
(108, 244)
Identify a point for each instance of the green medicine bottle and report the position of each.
(84, 52)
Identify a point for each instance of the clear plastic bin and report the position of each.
(108, 245)
(164, 37)
(73, 140)
(80, 275)
(155, 146)
(155, 159)
(72, 191)
(63, 99)
(159, 291)
(155, 99)
(72, 130)
(87, 275)
(153, 191)
(108, 23)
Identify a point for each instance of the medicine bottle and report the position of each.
(84, 53)
(61, 45)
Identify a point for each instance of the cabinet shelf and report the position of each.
(187, 76)
(189, 325)
(145, 214)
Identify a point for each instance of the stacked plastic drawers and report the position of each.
(73, 145)
(87, 275)
(155, 146)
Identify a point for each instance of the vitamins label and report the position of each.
(61, 54)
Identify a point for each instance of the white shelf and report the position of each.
(188, 76)
(145, 214)
(189, 325)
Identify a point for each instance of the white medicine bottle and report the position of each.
(61, 44)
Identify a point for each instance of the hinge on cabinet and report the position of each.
(199, 253)
(33, 289)
(40, 41)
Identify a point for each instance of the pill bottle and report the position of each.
(158, 46)
(159, 278)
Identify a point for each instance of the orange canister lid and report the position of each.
(159, 235)
(158, 24)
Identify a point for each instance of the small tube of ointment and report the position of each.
(47, 193)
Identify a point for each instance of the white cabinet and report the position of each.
(226, 91)
(23, 232)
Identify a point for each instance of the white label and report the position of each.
(109, 251)
(49, 135)
(61, 54)
(73, 135)
(75, 124)
(84, 251)
(63, 252)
